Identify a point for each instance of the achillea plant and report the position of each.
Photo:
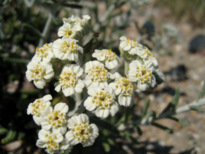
(106, 89)
(98, 86)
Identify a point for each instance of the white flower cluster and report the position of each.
(59, 132)
(143, 65)
(106, 88)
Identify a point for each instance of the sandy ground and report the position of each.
(191, 136)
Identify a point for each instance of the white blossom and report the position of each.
(108, 56)
(130, 49)
(96, 74)
(52, 141)
(69, 80)
(142, 74)
(44, 53)
(101, 102)
(81, 131)
(73, 20)
(39, 72)
(67, 49)
(124, 88)
(39, 107)
(127, 45)
(68, 31)
(147, 55)
(56, 118)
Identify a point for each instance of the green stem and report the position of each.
(126, 68)
(45, 30)
(77, 104)
(179, 110)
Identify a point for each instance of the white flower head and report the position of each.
(39, 72)
(96, 74)
(52, 141)
(67, 49)
(81, 131)
(39, 107)
(127, 45)
(56, 118)
(108, 56)
(101, 102)
(142, 74)
(44, 53)
(68, 31)
(69, 80)
(74, 20)
(147, 55)
(124, 88)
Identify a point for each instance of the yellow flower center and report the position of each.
(68, 79)
(133, 43)
(38, 72)
(103, 99)
(51, 144)
(69, 46)
(81, 131)
(125, 85)
(143, 74)
(56, 119)
(37, 107)
(98, 73)
(68, 32)
(44, 51)
(109, 55)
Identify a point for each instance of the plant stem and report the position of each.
(45, 30)
(77, 104)
(126, 69)
(182, 109)
(103, 19)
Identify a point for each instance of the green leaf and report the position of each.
(202, 93)
(110, 141)
(121, 120)
(196, 108)
(9, 137)
(151, 114)
(105, 125)
(178, 120)
(3, 131)
(171, 107)
(169, 130)
(32, 91)
(21, 135)
(144, 111)
(139, 131)
(106, 147)
(175, 99)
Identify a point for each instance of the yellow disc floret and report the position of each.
(70, 46)
(37, 72)
(82, 131)
(57, 119)
(68, 79)
(98, 73)
(143, 74)
(125, 85)
(109, 54)
(103, 99)
(132, 43)
(37, 107)
(44, 51)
